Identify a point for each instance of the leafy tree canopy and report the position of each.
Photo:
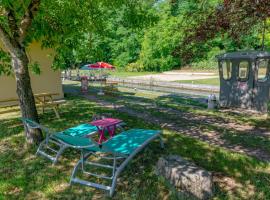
(150, 35)
(71, 27)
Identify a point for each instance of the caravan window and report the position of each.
(262, 69)
(226, 69)
(243, 70)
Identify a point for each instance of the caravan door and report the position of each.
(242, 89)
(226, 75)
(262, 82)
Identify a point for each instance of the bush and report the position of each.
(205, 65)
(210, 62)
(133, 67)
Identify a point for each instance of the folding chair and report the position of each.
(119, 149)
(56, 142)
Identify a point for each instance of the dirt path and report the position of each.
(186, 125)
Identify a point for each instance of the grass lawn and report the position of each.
(25, 176)
(124, 74)
(210, 81)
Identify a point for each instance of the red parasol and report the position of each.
(98, 66)
(101, 65)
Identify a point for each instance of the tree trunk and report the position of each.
(24, 91)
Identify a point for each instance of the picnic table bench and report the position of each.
(111, 83)
(42, 100)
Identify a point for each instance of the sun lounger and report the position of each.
(56, 142)
(119, 150)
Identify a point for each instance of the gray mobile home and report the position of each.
(244, 79)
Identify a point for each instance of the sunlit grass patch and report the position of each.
(208, 81)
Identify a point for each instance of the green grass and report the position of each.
(209, 81)
(25, 176)
(124, 74)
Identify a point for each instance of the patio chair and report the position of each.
(56, 142)
(118, 150)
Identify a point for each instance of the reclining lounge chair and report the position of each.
(119, 150)
(56, 142)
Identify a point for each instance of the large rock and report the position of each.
(186, 176)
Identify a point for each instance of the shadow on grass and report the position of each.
(23, 175)
(201, 121)
(10, 127)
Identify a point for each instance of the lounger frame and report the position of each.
(116, 170)
(45, 144)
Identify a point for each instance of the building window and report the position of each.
(263, 69)
(243, 70)
(226, 69)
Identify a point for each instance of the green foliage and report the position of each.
(158, 45)
(127, 50)
(110, 33)
(78, 30)
(35, 68)
(142, 35)
(134, 67)
(5, 63)
(238, 21)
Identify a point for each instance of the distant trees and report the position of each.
(154, 35)
(183, 32)
(160, 40)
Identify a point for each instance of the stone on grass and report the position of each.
(186, 176)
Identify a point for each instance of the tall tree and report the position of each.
(54, 23)
(236, 19)
(12, 35)
(23, 21)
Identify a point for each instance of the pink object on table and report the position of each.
(105, 124)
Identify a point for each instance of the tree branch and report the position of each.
(7, 41)
(28, 18)
(12, 22)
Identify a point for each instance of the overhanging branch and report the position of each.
(12, 22)
(27, 19)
